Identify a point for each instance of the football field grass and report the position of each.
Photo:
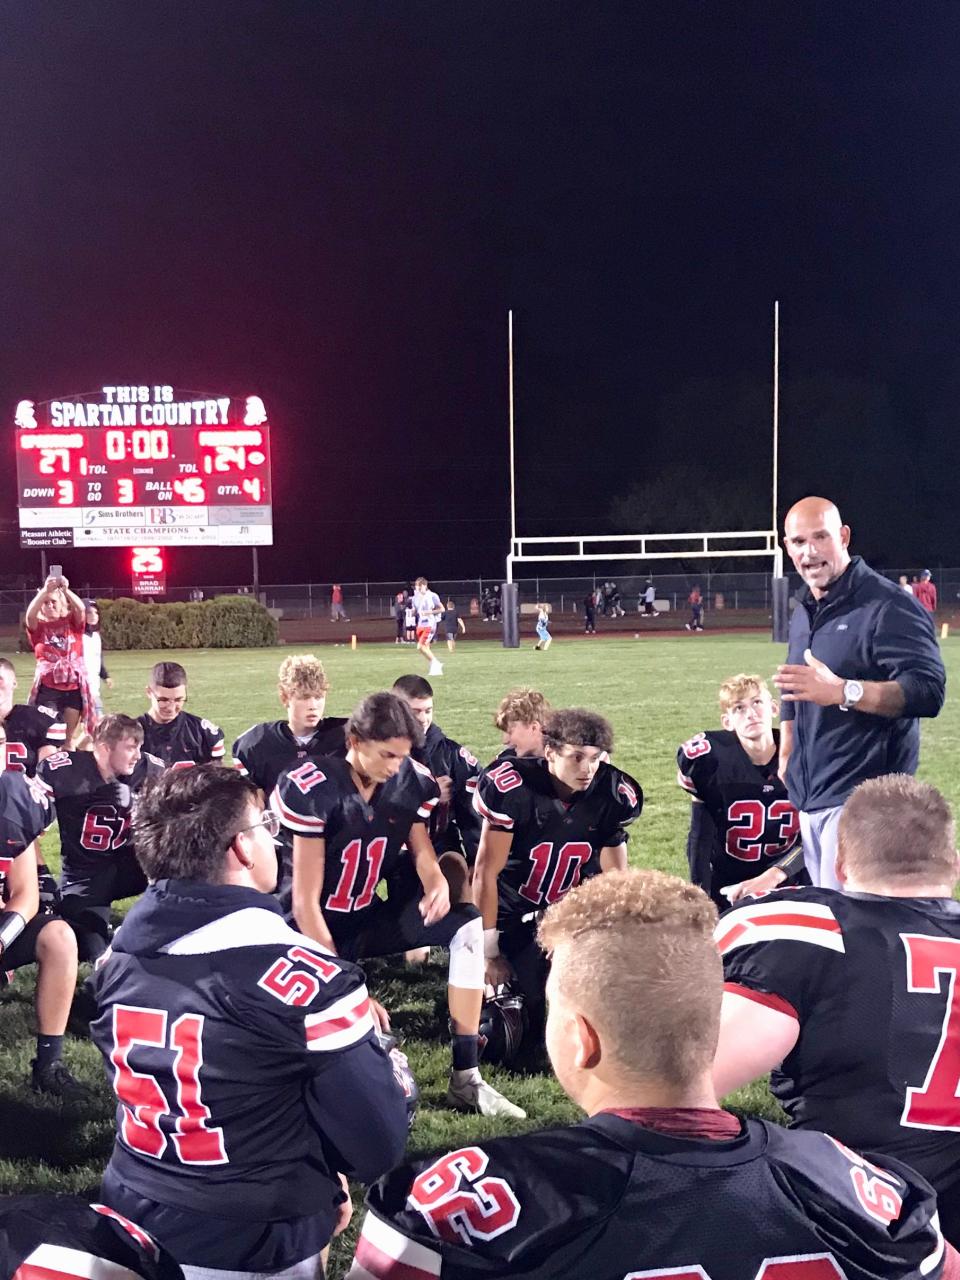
(656, 693)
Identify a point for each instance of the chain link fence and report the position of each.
(479, 597)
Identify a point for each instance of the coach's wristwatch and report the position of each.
(852, 693)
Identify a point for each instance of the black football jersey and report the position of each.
(24, 815)
(610, 1200)
(753, 824)
(556, 843)
(67, 1238)
(28, 729)
(872, 983)
(455, 825)
(364, 842)
(240, 1052)
(268, 750)
(185, 741)
(93, 815)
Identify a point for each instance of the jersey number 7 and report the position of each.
(932, 964)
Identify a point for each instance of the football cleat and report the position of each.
(436, 668)
(503, 1022)
(468, 1091)
(57, 1080)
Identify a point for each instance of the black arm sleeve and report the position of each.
(701, 843)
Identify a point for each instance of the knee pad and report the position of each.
(466, 956)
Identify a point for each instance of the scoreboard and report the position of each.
(137, 465)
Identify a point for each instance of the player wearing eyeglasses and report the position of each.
(248, 1077)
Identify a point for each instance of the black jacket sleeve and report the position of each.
(906, 650)
(361, 1112)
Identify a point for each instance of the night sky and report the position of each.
(333, 205)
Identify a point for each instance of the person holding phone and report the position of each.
(55, 621)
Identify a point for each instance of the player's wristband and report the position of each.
(12, 924)
(491, 943)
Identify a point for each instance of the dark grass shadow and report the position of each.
(60, 1136)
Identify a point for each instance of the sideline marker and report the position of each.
(353, 642)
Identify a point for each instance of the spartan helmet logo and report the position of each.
(256, 414)
(25, 417)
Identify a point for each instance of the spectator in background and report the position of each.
(55, 625)
(902, 581)
(337, 611)
(589, 614)
(93, 655)
(399, 613)
(926, 592)
(649, 598)
(695, 601)
(409, 621)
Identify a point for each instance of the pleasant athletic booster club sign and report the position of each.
(132, 465)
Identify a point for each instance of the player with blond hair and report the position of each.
(266, 751)
(657, 1180)
(520, 717)
(744, 832)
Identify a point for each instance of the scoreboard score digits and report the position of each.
(141, 464)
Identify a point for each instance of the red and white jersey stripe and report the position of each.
(57, 1262)
(757, 922)
(428, 807)
(383, 1253)
(500, 819)
(347, 1021)
(305, 824)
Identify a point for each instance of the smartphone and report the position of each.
(56, 571)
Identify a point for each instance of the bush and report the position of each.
(225, 622)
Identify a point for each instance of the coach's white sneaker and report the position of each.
(436, 668)
(468, 1091)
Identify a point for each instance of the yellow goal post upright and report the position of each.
(587, 548)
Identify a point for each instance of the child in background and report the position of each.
(453, 625)
(543, 627)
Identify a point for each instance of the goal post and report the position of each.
(714, 545)
(743, 544)
(648, 547)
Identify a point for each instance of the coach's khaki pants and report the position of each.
(818, 831)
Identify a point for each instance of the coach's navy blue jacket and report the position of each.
(864, 628)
